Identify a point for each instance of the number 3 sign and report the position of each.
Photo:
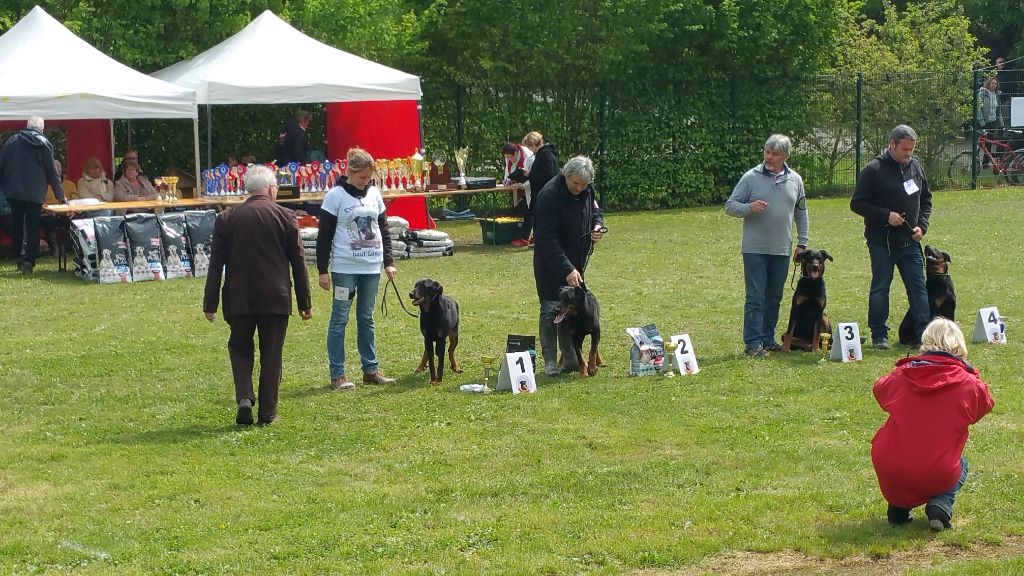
(846, 343)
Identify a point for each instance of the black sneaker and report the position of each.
(899, 516)
(880, 343)
(244, 416)
(756, 352)
(938, 520)
(26, 268)
(774, 347)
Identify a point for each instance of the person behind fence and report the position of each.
(257, 248)
(26, 166)
(893, 197)
(569, 222)
(989, 114)
(931, 400)
(543, 168)
(352, 246)
(770, 198)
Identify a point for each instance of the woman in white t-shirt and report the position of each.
(354, 243)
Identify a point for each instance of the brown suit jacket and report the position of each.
(254, 244)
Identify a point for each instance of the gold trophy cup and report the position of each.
(461, 159)
(826, 338)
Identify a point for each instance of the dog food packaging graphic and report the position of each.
(173, 237)
(112, 249)
(143, 232)
(647, 354)
(83, 243)
(199, 225)
(989, 327)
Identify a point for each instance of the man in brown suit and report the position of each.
(254, 244)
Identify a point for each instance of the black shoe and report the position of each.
(880, 343)
(756, 352)
(244, 416)
(938, 520)
(899, 516)
(263, 422)
(26, 268)
(774, 347)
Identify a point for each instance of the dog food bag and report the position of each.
(199, 225)
(112, 248)
(177, 254)
(83, 246)
(146, 250)
(647, 354)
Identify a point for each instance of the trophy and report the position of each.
(461, 156)
(670, 347)
(382, 174)
(416, 162)
(158, 184)
(826, 338)
(488, 362)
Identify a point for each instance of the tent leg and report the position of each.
(195, 140)
(209, 135)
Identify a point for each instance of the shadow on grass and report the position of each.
(181, 434)
(876, 534)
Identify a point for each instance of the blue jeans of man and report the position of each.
(943, 501)
(910, 263)
(364, 289)
(765, 279)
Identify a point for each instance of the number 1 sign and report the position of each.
(517, 373)
(846, 343)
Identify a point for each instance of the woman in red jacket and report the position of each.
(931, 400)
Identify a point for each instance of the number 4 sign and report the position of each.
(846, 343)
(517, 373)
(989, 327)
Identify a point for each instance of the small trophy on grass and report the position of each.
(826, 338)
(670, 358)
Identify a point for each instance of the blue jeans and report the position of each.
(765, 278)
(911, 266)
(945, 500)
(364, 288)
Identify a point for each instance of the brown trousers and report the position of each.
(272, 329)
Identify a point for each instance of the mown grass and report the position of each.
(118, 452)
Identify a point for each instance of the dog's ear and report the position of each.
(946, 256)
(440, 289)
(826, 255)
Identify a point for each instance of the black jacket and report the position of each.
(292, 142)
(562, 234)
(544, 167)
(26, 167)
(881, 189)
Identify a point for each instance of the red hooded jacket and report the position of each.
(931, 400)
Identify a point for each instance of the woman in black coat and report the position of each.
(544, 167)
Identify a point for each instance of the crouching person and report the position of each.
(931, 400)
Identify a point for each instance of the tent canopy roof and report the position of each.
(270, 62)
(88, 84)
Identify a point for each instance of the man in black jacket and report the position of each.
(568, 223)
(26, 167)
(893, 197)
(293, 140)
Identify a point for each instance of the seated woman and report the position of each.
(94, 182)
(133, 186)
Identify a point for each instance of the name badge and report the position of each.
(341, 293)
(910, 186)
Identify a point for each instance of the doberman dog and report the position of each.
(439, 321)
(941, 294)
(807, 319)
(579, 311)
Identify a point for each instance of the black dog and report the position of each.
(578, 310)
(439, 321)
(807, 319)
(941, 294)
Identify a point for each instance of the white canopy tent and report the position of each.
(270, 62)
(88, 84)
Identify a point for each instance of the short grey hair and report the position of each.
(902, 132)
(36, 123)
(579, 166)
(779, 142)
(259, 179)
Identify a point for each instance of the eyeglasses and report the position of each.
(131, 157)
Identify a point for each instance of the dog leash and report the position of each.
(384, 300)
(582, 241)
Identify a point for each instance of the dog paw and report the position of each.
(592, 371)
(457, 369)
(435, 382)
(419, 369)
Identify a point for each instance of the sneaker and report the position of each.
(377, 378)
(520, 242)
(756, 352)
(244, 415)
(263, 422)
(342, 383)
(26, 268)
(938, 520)
(773, 347)
(880, 343)
(551, 368)
(899, 516)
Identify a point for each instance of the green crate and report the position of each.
(500, 232)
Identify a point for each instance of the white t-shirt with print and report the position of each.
(358, 247)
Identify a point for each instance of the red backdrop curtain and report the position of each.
(85, 139)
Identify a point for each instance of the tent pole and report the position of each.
(112, 167)
(209, 135)
(195, 141)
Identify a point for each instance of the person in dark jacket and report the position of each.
(931, 400)
(543, 168)
(26, 167)
(293, 140)
(255, 246)
(892, 195)
(568, 223)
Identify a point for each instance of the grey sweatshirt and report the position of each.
(771, 231)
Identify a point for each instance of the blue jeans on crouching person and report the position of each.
(765, 279)
(363, 287)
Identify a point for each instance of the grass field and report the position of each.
(119, 455)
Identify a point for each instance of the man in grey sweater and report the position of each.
(769, 198)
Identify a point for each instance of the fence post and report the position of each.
(975, 77)
(601, 141)
(859, 104)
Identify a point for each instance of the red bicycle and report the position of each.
(1005, 161)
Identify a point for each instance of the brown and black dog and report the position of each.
(807, 319)
(941, 294)
(439, 322)
(579, 312)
